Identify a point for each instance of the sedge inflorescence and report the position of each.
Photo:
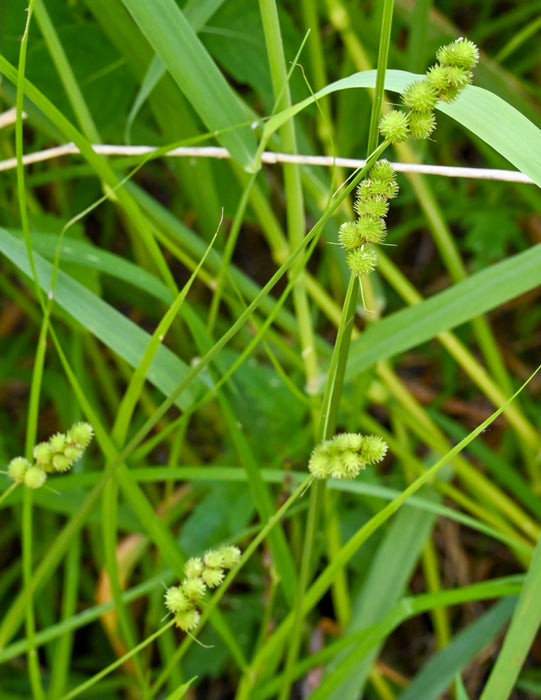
(372, 203)
(345, 455)
(443, 81)
(201, 574)
(58, 455)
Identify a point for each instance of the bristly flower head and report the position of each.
(376, 206)
(349, 235)
(362, 261)
(187, 619)
(345, 455)
(460, 53)
(374, 448)
(176, 600)
(214, 559)
(230, 555)
(193, 567)
(17, 469)
(420, 96)
(212, 577)
(422, 124)
(193, 588)
(394, 126)
(80, 434)
(34, 477)
(43, 453)
(382, 171)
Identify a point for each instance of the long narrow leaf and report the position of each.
(470, 298)
(196, 74)
(108, 325)
(489, 117)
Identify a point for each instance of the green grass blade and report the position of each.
(438, 674)
(390, 570)
(479, 110)
(115, 330)
(173, 39)
(524, 626)
(473, 296)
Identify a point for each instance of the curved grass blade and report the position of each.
(489, 117)
(191, 66)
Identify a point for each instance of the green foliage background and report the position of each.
(191, 453)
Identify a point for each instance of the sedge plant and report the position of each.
(143, 421)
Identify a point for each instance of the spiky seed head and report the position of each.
(383, 171)
(374, 449)
(371, 229)
(43, 453)
(213, 558)
(458, 77)
(420, 96)
(73, 453)
(230, 555)
(212, 577)
(461, 53)
(61, 463)
(440, 78)
(58, 442)
(422, 124)
(80, 434)
(35, 477)
(376, 206)
(339, 443)
(194, 589)
(349, 235)
(193, 567)
(394, 126)
(319, 462)
(389, 190)
(176, 600)
(17, 468)
(352, 464)
(362, 261)
(187, 619)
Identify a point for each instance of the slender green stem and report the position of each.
(333, 389)
(220, 592)
(229, 250)
(383, 56)
(129, 655)
(293, 188)
(10, 488)
(325, 579)
(30, 623)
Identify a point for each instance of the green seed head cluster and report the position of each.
(181, 601)
(58, 454)
(443, 81)
(372, 204)
(345, 455)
